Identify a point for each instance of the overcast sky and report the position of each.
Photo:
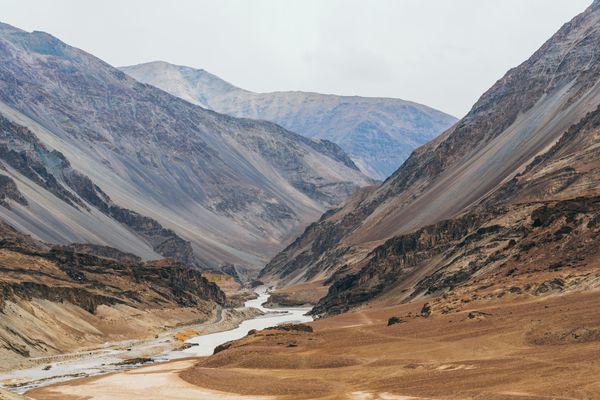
(437, 52)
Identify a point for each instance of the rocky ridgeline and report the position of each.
(10, 191)
(520, 221)
(479, 244)
(89, 280)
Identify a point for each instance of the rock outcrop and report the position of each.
(9, 191)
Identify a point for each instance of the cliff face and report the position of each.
(377, 133)
(129, 166)
(77, 275)
(491, 167)
(9, 191)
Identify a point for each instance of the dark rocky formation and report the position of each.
(21, 150)
(135, 361)
(164, 241)
(223, 347)
(477, 314)
(9, 191)
(292, 328)
(88, 281)
(101, 251)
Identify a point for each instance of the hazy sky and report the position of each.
(443, 53)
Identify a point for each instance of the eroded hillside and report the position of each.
(56, 300)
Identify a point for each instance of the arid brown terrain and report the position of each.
(514, 347)
(55, 300)
(520, 347)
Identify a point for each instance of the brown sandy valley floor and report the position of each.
(520, 347)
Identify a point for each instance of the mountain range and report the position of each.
(377, 133)
(90, 155)
(516, 179)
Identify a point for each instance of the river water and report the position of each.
(205, 344)
(103, 361)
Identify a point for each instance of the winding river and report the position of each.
(205, 344)
(102, 361)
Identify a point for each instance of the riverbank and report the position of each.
(515, 347)
(184, 342)
(6, 395)
(161, 381)
(53, 331)
(204, 344)
(194, 343)
(118, 355)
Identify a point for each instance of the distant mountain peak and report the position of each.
(197, 86)
(377, 133)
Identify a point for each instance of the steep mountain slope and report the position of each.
(378, 133)
(468, 203)
(111, 161)
(49, 181)
(55, 299)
